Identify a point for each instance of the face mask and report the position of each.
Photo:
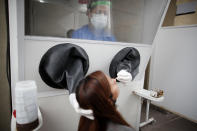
(99, 21)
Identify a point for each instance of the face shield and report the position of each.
(100, 17)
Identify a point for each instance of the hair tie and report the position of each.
(88, 113)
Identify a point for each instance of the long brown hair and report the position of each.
(94, 93)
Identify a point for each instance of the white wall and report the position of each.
(174, 70)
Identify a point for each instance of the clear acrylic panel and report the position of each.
(131, 21)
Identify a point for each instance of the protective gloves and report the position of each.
(124, 76)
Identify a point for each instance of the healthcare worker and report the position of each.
(98, 92)
(100, 24)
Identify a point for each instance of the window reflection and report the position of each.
(106, 20)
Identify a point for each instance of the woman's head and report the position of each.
(98, 92)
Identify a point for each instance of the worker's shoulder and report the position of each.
(118, 127)
(81, 32)
(82, 29)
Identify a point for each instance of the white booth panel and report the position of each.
(100, 56)
(58, 114)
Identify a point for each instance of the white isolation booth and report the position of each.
(37, 25)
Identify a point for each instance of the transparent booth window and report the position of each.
(105, 20)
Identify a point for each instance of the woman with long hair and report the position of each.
(99, 92)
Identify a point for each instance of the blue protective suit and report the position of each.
(85, 33)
